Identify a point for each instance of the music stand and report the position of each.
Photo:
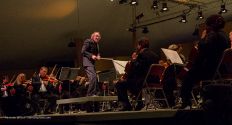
(68, 73)
(173, 56)
(120, 66)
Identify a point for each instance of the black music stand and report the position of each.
(68, 73)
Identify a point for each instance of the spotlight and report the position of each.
(164, 6)
(183, 19)
(133, 2)
(223, 8)
(145, 30)
(155, 4)
(200, 15)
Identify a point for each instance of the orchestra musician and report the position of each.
(170, 80)
(139, 65)
(211, 46)
(90, 53)
(17, 95)
(3, 94)
(43, 89)
(4, 83)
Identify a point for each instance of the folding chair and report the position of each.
(152, 85)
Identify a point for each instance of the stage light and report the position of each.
(134, 2)
(223, 8)
(145, 30)
(183, 19)
(164, 6)
(155, 4)
(200, 15)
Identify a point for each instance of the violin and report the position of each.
(128, 65)
(9, 84)
(50, 79)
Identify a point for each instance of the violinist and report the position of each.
(17, 96)
(4, 83)
(18, 87)
(43, 90)
(3, 94)
(139, 67)
(170, 80)
(211, 46)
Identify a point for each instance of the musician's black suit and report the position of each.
(134, 81)
(37, 95)
(90, 48)
(204, 67)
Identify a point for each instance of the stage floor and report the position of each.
(148, 117)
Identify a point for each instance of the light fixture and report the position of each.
(164, 6)
(183, 19)
(145, 30)
(200, 15)
(133, 2)
(155, 4)
(223, 8)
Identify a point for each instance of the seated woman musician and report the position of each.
(135, 75)
(170, 79)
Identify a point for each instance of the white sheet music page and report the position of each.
(172, 55)
(120, 66)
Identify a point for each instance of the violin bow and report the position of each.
(53, 69)
(12, 78)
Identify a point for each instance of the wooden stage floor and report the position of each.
(146, 117)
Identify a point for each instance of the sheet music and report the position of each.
(172, 55)
(120, 66)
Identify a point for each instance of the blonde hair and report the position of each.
(94, 33)
(19, 78)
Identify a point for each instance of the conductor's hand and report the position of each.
(94, 57)
(98, 57)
